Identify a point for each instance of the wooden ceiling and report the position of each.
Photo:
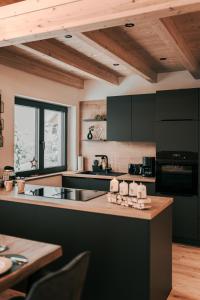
(164, 37)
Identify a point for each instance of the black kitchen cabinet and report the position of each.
(131, 118)
(143, 118)
(185, 218)
(119, 111)
(86, 183)
(177, 105)
(177, 135)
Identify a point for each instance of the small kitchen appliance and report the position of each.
(134, 169)
(148, 166)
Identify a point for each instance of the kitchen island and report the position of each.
(129, 247)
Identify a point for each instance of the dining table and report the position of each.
(38, 254)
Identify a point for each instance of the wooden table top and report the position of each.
(39, 255)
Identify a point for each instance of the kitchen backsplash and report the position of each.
(120, 154)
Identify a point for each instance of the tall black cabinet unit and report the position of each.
(131, 118)
(177, 129)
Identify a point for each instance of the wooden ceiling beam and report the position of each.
(7, 2)
(117, 42)
(61, 52)
(33, 20)
(167, 30)
(14, 58)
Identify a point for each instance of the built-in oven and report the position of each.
(177, 173)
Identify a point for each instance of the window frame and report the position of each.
(42, 106)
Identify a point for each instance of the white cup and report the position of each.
(21, 186)
(8, 185)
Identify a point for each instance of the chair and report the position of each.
(64, 284)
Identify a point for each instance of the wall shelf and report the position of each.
(94, 140)
(93, 120)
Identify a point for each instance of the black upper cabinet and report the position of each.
(131, 118)
(177, 136)
(177, 105)
(119, 110)
(143, 118)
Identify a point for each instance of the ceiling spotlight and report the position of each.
(163, 58)
(68, 36)
(129, 25)
(115, 65)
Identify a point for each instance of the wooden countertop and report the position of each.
(98, 205)
(127, 177)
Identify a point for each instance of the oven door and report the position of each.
(177, 178)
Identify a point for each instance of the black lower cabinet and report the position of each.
(97, 184)
(126, 253)
(86, 183)
(185, 219)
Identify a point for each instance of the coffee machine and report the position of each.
(148, 166)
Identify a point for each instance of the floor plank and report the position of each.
(186, 273)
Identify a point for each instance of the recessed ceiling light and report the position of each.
(163, 58)
(115, 65)
(68, 36)
(129, 25)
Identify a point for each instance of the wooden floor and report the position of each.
(186, 273)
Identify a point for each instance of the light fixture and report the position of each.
(68, 36)
(129, 25)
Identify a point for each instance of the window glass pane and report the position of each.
(26, 138)
(53, 137)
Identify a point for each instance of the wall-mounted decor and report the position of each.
(1, 122)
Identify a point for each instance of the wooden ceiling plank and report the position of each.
(59, 51)
(118, 43)
(171, 35)
(11, 57)
(44, 19)
(7, 2)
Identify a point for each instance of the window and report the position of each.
(40, 137)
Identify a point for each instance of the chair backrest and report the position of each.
(65, 284)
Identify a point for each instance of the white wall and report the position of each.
(99, 90)
(16, 83)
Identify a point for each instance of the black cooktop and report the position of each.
(64, 193)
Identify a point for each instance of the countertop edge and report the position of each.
(99, 205)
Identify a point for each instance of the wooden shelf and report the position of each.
(93, 120)
(94, 140)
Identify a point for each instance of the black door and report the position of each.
(177, 135)
(143, 118)
(177, 105)
(119, 111)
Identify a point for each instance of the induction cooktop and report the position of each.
(64, 193)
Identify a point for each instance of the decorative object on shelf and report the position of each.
(100, 117)
(98, 133)
(90, 135)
